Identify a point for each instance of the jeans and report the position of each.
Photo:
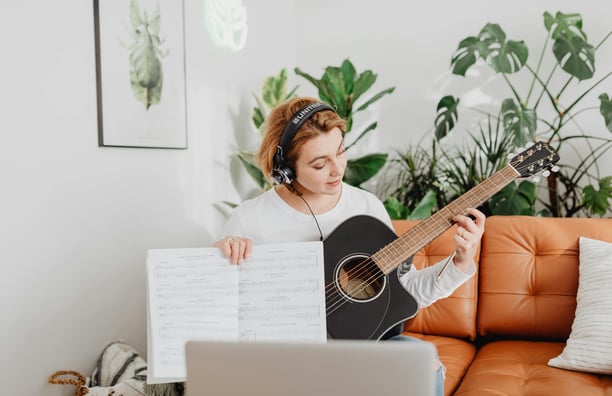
(441, 370)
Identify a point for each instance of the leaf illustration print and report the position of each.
(146, 72)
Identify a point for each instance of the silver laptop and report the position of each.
(355, 368)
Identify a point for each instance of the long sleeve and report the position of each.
(427, 287)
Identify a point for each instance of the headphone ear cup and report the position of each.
(283, 175)
(289, 175)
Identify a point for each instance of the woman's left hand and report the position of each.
(469, 233)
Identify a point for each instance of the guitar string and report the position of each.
(365, 267)
(514, 172)
(366, 274)
(369, 273)
(373, 277)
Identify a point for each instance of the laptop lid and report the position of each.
(339, 367)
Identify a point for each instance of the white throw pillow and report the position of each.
(589, 346)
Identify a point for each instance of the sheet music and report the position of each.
(278, 294)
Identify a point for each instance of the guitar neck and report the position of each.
(415, 239)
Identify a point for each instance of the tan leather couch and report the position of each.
(496, 333)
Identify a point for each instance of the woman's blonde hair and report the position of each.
(319, 123)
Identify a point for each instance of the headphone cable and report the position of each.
(313, 216)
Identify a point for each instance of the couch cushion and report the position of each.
(520, 368)
(589, 347)
(454, 316)
(456, 356)
(529, 274)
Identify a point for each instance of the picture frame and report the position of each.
(140, 73)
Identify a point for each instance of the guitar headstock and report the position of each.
(538, 157)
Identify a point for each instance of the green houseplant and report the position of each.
(548, 110)
(274, 91)
(421, 180)
(342, 87)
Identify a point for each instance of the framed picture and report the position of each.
(140, 73)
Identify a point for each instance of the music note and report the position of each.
(277, 294)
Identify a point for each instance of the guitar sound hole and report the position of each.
(360, 279)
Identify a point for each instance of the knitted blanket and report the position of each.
(120, 370)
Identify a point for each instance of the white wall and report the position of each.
(77, 219)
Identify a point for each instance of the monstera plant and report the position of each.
(343, 88)
(548, 110)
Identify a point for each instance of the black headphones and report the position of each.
(281, 172)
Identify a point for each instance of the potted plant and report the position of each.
(343, 88)
(273, 92)
(578, 187)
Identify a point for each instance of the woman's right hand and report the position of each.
(236, 248)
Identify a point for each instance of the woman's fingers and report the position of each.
(469, 233)
(236, 248)
(469, 229)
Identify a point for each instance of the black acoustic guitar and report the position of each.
(364, 298)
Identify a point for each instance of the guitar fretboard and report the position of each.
(413, 240)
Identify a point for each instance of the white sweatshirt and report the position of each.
(269, 219)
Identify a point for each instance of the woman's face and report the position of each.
(320, 165)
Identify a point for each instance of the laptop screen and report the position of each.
(339, 367)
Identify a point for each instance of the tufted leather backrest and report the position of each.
(529, 274)
(454, 316)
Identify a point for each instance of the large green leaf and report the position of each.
(425, 207)
(396, 210)
(348, 73)
(605, 108)
(466, 55)
(307, 76)
(272, 93)
(514, 199)
(518, 122)
(598, 201)
(362, 169)
(274, 89)
(336, 89)
(248, 161)
(575, 56)
(568, 24)
(369, 128)
(342, 86)
(323, 88)
(258, 117)
(503, 56)
(364, 82)
(329, 94)
(374, 99)
(446, 115)
(572, 51)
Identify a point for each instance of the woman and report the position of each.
(303, 152)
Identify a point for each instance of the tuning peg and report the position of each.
(555, 169)
(546, 173)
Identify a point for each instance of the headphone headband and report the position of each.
(297, 120)
(281, 173)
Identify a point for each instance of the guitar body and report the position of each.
(362, 302)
